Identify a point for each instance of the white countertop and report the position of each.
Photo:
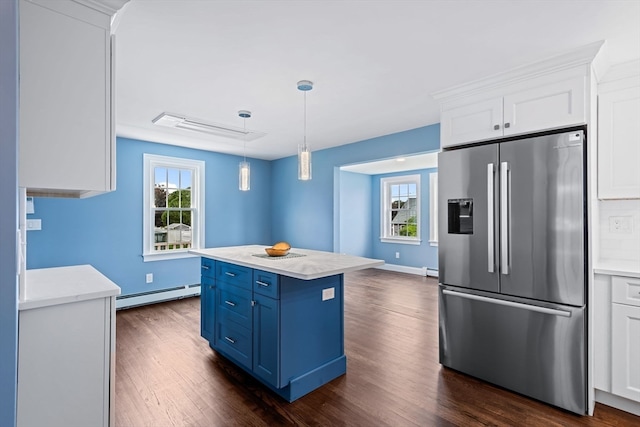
(61, 285)
(313, 265)
(617, 268)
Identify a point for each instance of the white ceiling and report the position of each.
(374, 64)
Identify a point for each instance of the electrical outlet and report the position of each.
(149, 277)
(397, 254)
(620, 224)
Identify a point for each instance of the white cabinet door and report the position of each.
(64, 364)
(472, 122)
(625, 360)
(619, 144)
(550, 106)
(601, 332)
(66, 140)
(529, 107)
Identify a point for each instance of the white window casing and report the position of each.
(386, 227)
(197, 203)
(433, 209)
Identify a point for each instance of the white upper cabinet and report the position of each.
(67, 138)
(619, 134)
(548, 95)
(471, 122)
(548, 106)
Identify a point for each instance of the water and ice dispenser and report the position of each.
(460, 216)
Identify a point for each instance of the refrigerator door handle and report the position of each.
(504, 217)
(506, 303)
(490, 219)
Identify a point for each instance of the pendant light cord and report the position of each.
(244, 139)
(305, 120)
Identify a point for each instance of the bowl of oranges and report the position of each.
(279, 249)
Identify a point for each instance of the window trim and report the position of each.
(385, 202)
(151, 161)
(433, 208)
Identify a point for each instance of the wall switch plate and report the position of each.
(34, 224)
(30, 208)
(397, 255)
(149, 277)
(621, 224)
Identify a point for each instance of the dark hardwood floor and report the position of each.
(167, 375)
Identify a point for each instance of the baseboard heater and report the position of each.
(420, 271)
(128, 301)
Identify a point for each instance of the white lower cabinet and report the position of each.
(66, 349)
(625, 338)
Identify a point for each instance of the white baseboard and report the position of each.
(618, 402)
(422, 271)
(159, 296)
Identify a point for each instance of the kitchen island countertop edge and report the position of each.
(312, 265)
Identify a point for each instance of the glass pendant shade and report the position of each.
(244, 176)
(304, 163)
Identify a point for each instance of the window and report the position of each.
(400, 211)
(173, 207)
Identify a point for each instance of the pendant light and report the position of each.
(304, 153)
(244, 169)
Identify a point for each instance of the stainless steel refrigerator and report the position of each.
(512, 262)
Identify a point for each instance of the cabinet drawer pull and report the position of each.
(228, 273)
(232, 304)
(231, 340)
(205, 267)
(496, 127)
(507, 125)
(263, 283)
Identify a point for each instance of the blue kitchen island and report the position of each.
(281, 319)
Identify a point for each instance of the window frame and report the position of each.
(385, 199)
(433, 209)
(152, 161)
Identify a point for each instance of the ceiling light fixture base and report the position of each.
(305, 85)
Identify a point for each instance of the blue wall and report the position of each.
(303, 211)
(355, 217)
(106, 230)
(9, 218)
(418, 256)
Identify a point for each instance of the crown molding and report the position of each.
(109, 7)
(581, 56)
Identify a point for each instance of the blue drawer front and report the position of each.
(234, 304)
(234, 274)
(235, 342)
(265, 283)
(208, 268)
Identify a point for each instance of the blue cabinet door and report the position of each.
(208, 309)
(266, 339)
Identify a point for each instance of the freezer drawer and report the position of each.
(536, 350)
